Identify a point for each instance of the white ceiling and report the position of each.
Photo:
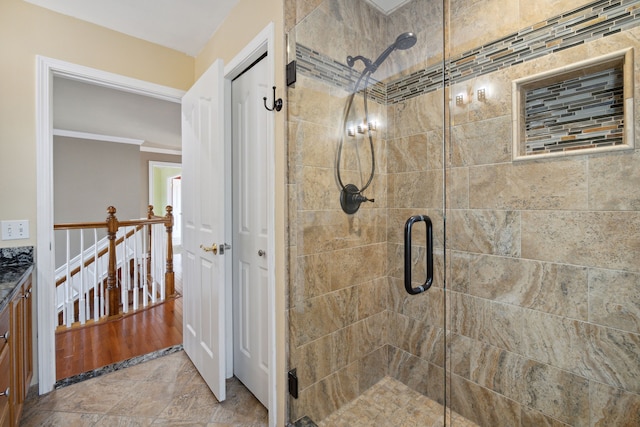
(387, 6)
(183, 25)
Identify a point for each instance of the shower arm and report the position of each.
(351, 60)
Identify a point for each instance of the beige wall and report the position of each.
(27, 31)
(242, 25)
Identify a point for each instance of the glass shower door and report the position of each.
(366, 77)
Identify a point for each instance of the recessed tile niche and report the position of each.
(583, 108)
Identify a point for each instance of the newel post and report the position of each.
(112, 294)
(169, 284)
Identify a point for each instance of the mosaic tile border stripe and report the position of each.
(592, 21)
(320, 67)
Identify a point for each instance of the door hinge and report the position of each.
(293, 383)
(291, 73)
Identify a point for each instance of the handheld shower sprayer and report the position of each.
(350, 195)
(403, 41)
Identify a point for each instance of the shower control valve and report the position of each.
(351, 198)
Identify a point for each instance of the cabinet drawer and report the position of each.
(4, 328)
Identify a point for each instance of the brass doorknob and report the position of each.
(213, 248)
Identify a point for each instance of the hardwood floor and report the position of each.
(83, 349)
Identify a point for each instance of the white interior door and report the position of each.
(250, 231)
(203, 213)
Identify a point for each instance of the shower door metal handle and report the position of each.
(407, 254)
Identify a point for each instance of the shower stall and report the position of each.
(510, 126)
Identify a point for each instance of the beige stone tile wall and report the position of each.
(475, 22)
(542, 273)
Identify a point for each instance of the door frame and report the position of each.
(159, 206)
(158, 164)
(46, 69)
(261, 44)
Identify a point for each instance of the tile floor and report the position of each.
(169, 391)
(163, 391)
(391, 403)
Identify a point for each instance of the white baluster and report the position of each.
(103, 268)
(121, 260)
(145, 272)
(162, 259)
(67, 315)
(135, 268)
(81, 296)
(96, 277)
(129, 267)
(154, 263)
(125, 271)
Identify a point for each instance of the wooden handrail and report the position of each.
(112, 224)
(128, 223)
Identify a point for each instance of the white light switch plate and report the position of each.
(13, 230)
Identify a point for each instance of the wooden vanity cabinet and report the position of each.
(5, 369)
(16, 354)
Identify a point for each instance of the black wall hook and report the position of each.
(277, 103)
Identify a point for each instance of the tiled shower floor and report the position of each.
(391, 403)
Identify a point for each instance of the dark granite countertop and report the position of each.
(15, 266)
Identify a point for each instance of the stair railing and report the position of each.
(130, 257)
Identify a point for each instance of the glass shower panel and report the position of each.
(355, 333)
(542, 253)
